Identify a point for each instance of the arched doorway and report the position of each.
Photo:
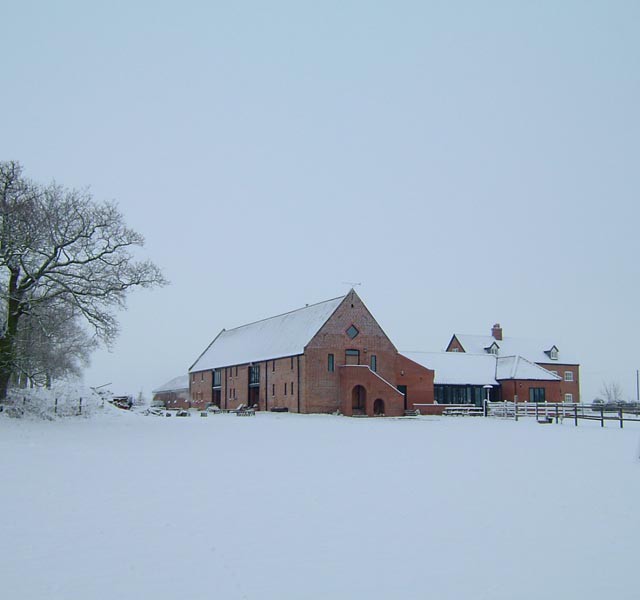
(358, 400)
(378, 407)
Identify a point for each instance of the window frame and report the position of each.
(354, 329)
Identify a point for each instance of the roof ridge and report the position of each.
(285, 313)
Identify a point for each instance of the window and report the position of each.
(273, 389)
(254, 375)
(236, 371)
(285, 389)
(374, 363)
(553, 353)
(202, 376)
(568, 397)
(455, 349)
(568, 375)
(292, 362)
(352, 357)
(193, 377)
(331, 363)
(292, 388)
(217, 378)
(273, 366)
(352, 332)
(493, 349)
(536, 394)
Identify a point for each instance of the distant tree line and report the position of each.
(66, 266)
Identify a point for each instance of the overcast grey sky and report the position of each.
(468, 162)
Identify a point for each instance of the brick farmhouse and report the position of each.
(334, 356)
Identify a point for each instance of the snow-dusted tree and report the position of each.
(60, 248)
(611, 391)
(51, 344)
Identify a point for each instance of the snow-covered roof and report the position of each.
(457, 368)
(174, 385)
(460, 368)
(276, 337)
(533, 350)
(517, 367)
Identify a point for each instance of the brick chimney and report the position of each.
(496, 332)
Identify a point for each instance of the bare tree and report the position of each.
(60, 248)
(51, 344)
(611, 392)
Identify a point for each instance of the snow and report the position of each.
(533, 350)
(461, 368)
(457, 368)
(276, 337)
(517, 367)
(285, 506)
(176, 384)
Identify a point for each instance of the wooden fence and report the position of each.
(549, 412)
(51, 407)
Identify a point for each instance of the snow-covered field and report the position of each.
(278, 506)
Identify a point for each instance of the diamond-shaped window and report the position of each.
(352, 332)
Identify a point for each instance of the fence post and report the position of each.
(55, 407)
(80, 406)
(621, 417)
(575, 413)
(557, 414)
(485, 408)
(602, 416)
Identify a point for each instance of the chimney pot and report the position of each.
(496, 332)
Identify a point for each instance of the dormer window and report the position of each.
(553, 353)
(493, 349)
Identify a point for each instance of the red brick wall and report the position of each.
(566, 387)
(272, 383)
(375, 387)
(511, 387)
(200, 388)
(454, 345)
(321, 388)
(176, 399)
(418, 379)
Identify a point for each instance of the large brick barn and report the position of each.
(334, 356)
(326, 357)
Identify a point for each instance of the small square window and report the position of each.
(352, 332)
(568, 397)
(568, 375)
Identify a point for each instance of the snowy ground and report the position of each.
(122, 506)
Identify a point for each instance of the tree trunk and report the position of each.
(7, 341)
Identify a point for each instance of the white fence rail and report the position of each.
(548, 412)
